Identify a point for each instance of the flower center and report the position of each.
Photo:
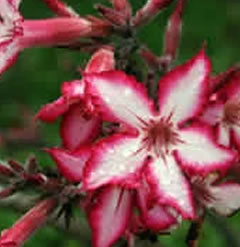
(232, 113)
(159, 136)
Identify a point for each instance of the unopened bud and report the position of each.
(32, 165)
(150, 58)
(28, 224)
(16, 166)
(60, 8)
(7, 191)
(113, 16)
(6, 171)
(148, 11)
(173, 32)
(123, 7)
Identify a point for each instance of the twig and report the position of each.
(194, 232)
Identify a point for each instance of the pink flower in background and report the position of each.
(17, 34)
(221, 196)
(80, 124)
(156, 143)
(223, 112)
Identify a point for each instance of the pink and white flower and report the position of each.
(156, 143)
(17, 34)
(211, 193)
(223, 112)
(80, 124)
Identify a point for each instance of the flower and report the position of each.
(223, 112)
(133, 212)
(211, 193)
(160, 144)
(10, 31)
(80, 125)
(17, 34)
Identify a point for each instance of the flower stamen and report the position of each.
(160, 136)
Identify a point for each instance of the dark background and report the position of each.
(36, 78)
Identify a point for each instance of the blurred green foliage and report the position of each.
(36, 78)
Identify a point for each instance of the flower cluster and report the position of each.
(168, 157)
(145, 159)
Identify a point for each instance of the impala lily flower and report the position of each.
(222, 197)
(79, 124)
(17, 34)
(223, 112)
(155, 144)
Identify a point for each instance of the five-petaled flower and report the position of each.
(162, 144)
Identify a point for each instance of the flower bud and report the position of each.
(148, 11)
(28, 224)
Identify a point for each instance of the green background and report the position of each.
(36, 78)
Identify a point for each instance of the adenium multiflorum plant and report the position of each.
(144, 150)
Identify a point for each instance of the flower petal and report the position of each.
(73, 89)
(119, 97)
(231, 90)
(113, 206)
(8, 55)
(183, 91)
(200, 154)
(153, 216)
(10, 32)
(77, 129)
(236, 135)
(50, 112)
(226, 198)
(102, 60)
(70, 165)
(170, 185)
(159, 219)
(115, 160)
(223, 134)
(213, 113)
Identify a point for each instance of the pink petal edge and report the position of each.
(113, 206)
(183, 91)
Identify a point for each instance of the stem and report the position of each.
(194, 232)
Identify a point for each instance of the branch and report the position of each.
(194, 232)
